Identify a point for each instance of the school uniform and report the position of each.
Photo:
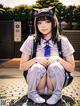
(55, 70)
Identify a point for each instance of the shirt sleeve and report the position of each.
(67, 47)
(27, 46)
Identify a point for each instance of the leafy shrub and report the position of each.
(76, 27)
(73, 27)
(67, 27)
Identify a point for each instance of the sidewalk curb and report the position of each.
(14, 63)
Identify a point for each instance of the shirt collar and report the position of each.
(43, 43)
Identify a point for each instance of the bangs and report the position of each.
(43, 18)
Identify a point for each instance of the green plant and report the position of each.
(67, 27)
(73, 27)
(76, 27)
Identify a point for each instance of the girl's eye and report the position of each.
(39, 22)
(47, 21)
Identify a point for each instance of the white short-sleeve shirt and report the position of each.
(67, 48)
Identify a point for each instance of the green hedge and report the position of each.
(73, 27)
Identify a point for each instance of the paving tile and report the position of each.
(14, 90)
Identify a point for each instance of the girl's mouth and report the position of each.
(44, 29)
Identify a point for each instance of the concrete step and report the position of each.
(14, 63)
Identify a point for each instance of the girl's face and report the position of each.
(44, 27)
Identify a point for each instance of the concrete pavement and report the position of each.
(13, 88)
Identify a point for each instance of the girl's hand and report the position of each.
(41, 60)
(52, 59)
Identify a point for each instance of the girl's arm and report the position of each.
(68, 63)
(25, 63)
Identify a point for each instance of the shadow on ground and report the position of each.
(24, 101)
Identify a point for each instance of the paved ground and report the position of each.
(13, 90)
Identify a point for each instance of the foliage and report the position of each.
(69, 16)
(77, 14)
(24, 12)
(76, 27)
(73, 27)
(45, 3)
(8, 14)
(1, 6)
(1, 12)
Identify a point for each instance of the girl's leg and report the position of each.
(42, 84)
(50, 85)
(57, 75)
(34, 76)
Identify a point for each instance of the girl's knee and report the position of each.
(55, 65)
(38, 68)
(37, 71)
(55, 69)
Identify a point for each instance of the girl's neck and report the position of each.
(47, 37)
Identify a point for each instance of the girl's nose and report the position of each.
(43, 24)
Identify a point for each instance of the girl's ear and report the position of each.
(51, 10)
(36, 11)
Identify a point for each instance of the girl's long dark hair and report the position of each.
(54, 22)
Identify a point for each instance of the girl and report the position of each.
(46, 71)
